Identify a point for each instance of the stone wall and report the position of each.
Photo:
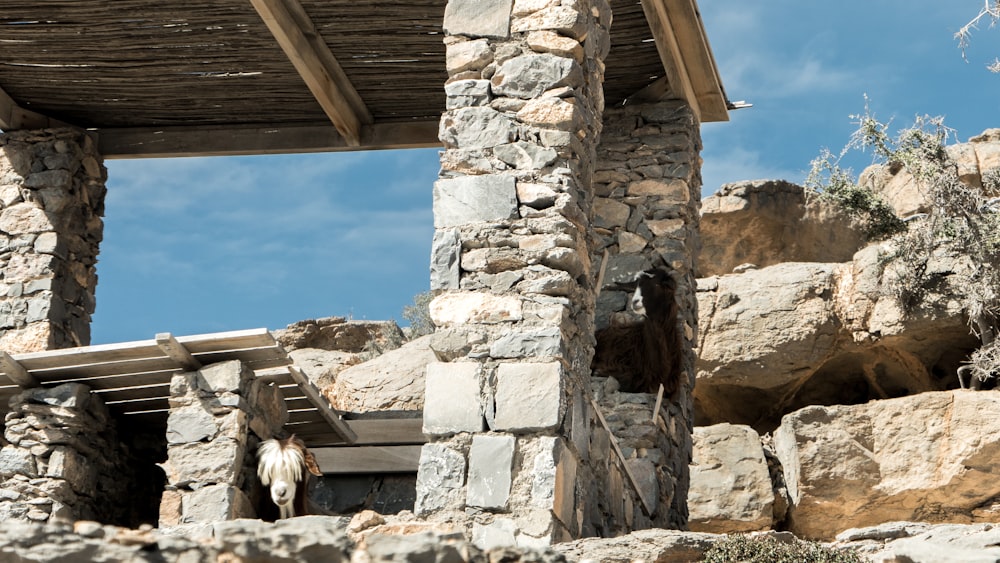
(51, 203)
(65, 460)
(217, 417)
(509, 452)
(647, 188)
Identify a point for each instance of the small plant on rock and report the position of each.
(960, 227)
(742, 548)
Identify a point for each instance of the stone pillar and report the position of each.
(64, 460)
(51, 203)
(210, 467)
(647, 204)
(505, 407)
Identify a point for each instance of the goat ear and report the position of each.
(311, 464)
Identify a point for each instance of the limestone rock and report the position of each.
(662, 546)
(766, 222)
(924, 543)
(730, 488)
(928, 457)
(338, 333)
(392, 381)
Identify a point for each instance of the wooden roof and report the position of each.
(154, 78)
(133, 379)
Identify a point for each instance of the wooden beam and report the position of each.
(308, 52)
(16, 372)
(176, 351)
(368, 459)
(698, 59)
(164, 142)
(331, 416)
(670, 52)
(14, 117)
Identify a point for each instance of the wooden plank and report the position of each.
(133, 393)
(368, 459)
(13, 116)
(180, 141)
(670, 52)
(176, 351)
(331, 416)
(387, 431)
(295, 33)
(16, 372)
(698, 59)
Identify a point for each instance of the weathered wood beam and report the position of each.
(308, 52)
(16, 372)
(14, 117)
(686, 57)
(176, 351)
(703, 72)
(670, 52)
(161, 142)
(331, 416)
(368, 459)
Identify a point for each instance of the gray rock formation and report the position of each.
(766, 222)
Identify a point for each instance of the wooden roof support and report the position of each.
(177, 352)
(330, 415)
(305, 48)
(16, 371)
(686, 56)
(13, 116)
(162, 142)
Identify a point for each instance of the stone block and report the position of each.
(490, 462)
(476, 128)
(446, 249)
(170, 508)
(473, 307)
(467, 55)
(478, 18)
(558, 113)
(525, 156)
(646, 482)
(529, 396)
(75, 469)
(610, 214)
(497, 534)
(219, 461)
(440, 478)
(474, 199)
(17, 461)
(452, 398)
(540, 343)
(22, 218)
(191, 423)
(528, 76)
(554, 479)
(232, 376)
(214, 503)
(467, 93)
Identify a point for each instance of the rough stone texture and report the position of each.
(52, 183)
(528, 397)
(478, 18)
(210, 466)
(451, 403)
(790, 335)
(490, 464)
(767, 222)
(662, 546)
(973, 160)
(924, 543)
(393, 381)
(65, 459)
(928, 457)
(342, 335)
(731, 488)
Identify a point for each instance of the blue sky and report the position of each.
(201, 245)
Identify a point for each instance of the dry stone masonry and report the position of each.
(51, 203)
(64, 459)
(217, 416)
(517, 441)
